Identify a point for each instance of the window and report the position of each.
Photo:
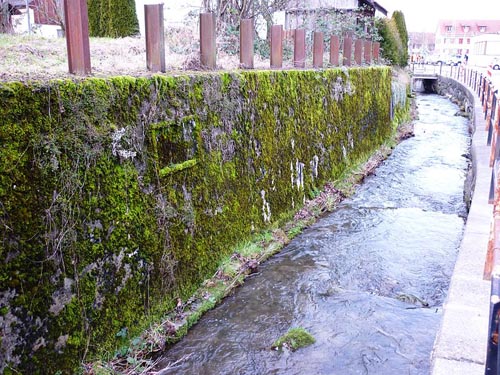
(449, 28)
(482, 29)
(466, 28)
(460, 41)
(468, 40)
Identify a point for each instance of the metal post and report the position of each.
(334, 50)
(29, 16)
(347, 55)
(318, 49)
(376, 52)
(358, 51)
(368, 52)
(246, 44)
(276, 46)
(155, 38)
(492, 357)
(207, 40)
(77, 36)
(299, 48)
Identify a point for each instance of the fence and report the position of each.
(362, 52)
(483, 85)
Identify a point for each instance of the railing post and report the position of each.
(77, 36)
(299, 48)
(276, 46)
(155, 37)
(358, 51)
(492, 357)
(318, 49)
(347, 54)
(368, 52)
(334, 50)
(246, 44)
(207, 40)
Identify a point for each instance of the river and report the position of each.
(368, 280)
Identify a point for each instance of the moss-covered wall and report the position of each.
(120, 195)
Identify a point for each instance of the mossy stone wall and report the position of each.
(118, 196)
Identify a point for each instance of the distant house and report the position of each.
(454, 37)
(43, 17)
(421, 43)
(300, 12)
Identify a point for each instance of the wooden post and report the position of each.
(155, 37)
(207, 40)
(77, 36)
(376, 52)
(358, 51)
(334, 50)
(368, 52)
(347, 51)
(276, 46)
(246, 44)
(318, 49)
(299, 48)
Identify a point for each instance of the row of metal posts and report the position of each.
(483, 86)
(77, 39)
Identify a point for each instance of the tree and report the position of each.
(6, 12)
(49, 12)
(112, 18)
(393, 48)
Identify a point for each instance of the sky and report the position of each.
(423, 15)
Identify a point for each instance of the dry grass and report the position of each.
(25, 58)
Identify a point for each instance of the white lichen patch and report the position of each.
(266, 208)
(62, 297)
(116, 145)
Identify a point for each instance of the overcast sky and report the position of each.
(423, 15)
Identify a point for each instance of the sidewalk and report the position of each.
(460, 346)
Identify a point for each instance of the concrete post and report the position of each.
(276, 46)
(246, 44)
(347, 54)
(299, 48)
(77, 36)
(207, 40)
(376, 52)
(368, 51)
(155, 38)
(318, 49)
(334, 50)
(358, 51)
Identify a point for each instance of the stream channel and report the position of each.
(368, 280)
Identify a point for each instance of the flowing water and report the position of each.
(367, 281)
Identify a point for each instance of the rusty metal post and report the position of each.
(207, 40)
(77, 36)
(276, 46)
(347, 55)
(376, 52)
(318, 49)
(155, 38)
(358, 51)
(299, 48)
(246, 44)
(334, 50)
(368, 52)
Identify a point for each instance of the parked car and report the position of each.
(454, 60)
(435, 59)
(495, 63)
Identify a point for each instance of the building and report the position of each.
(454, 37)
(421, 43)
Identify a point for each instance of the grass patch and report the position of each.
(294, 339)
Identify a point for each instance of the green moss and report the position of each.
(119, 196)
(294, 339)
